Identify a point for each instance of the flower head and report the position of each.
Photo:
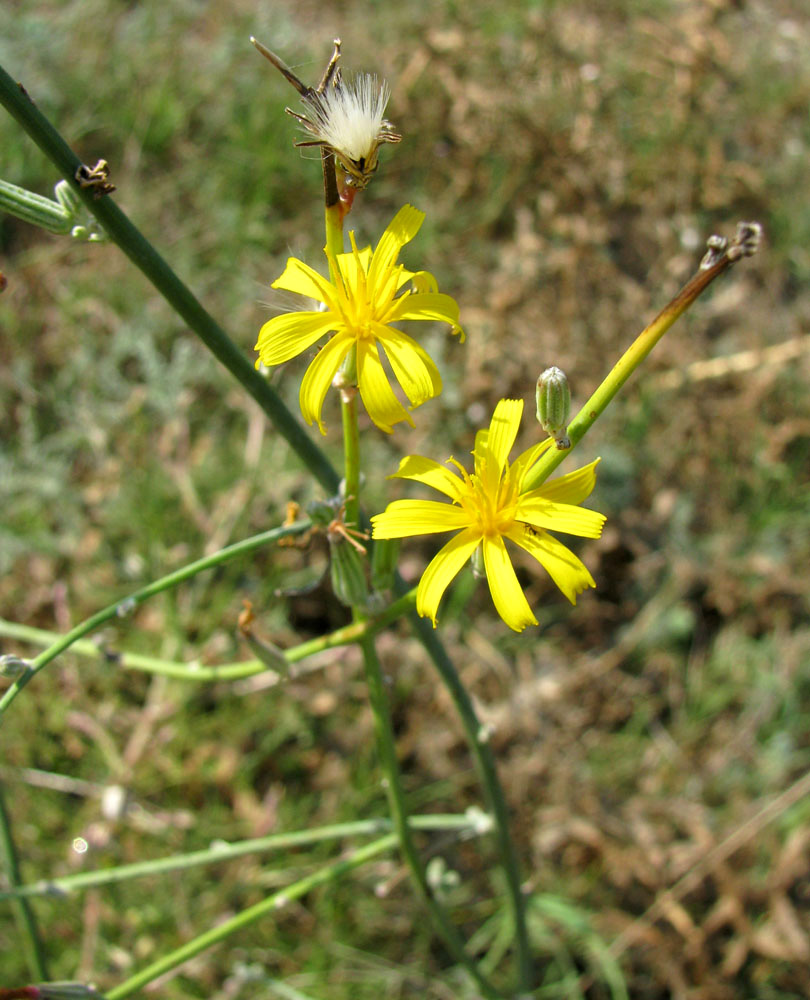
(489, 505)
(348, 118)
(360, 304)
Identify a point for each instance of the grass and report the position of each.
(571, 159)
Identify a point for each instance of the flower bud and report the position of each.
(12, 666)
(554, 405)
(322, 512)
(68, 199)
(441, 879)
(384, 558)
(348, 573)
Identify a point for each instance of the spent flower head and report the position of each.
(490, 505)
(349, 119)
(361, 303)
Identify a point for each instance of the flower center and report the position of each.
(360, 308)
(494, 513)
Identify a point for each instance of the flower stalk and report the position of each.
(127, 605)
(470, 823)
(273, 903)
(396, 803)
(201, 674)
(719, 258)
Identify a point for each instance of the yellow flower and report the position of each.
(360, 304)
(490, 505)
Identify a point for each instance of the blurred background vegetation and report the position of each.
(572, 158)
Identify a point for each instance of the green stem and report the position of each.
(121, 231)
(351, 455)
(494, 797)
(348, 394)
(396, 801)
(32, 942)
(272, 904)
(226, 852)
(126, 605)
(227, 671)
(625, 366)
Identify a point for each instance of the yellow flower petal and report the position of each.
(287, 336)
(315, 383)
(573, 487)
(510, 601)
(441, 570)
(567, 571)
(425, 470)
(412, 365)
(300, 278)
(401, 230)
(352, 269)
(566, 517)
(490, 461)
(523, 463)
(427, 306)
(378, 398)
(422, 281)
(402, 518)
(349, 262)
(503, 430)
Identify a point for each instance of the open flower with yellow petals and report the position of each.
(361, 302)
(490, 505)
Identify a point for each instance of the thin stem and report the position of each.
(227, 671)
(226, 852)
(396, 801)
(348, 392)
(127, 605)
(477, 737)
(121, 231)
(274, 903)
(639, 350)
(24, 914)
(351, 455)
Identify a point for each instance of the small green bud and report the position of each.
(554, 405)
(347, 567)
(441, 879)
(323, 512)
(384, 558)
(68, 198)
(12, 666)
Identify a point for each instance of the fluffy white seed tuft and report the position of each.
(349, 118)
